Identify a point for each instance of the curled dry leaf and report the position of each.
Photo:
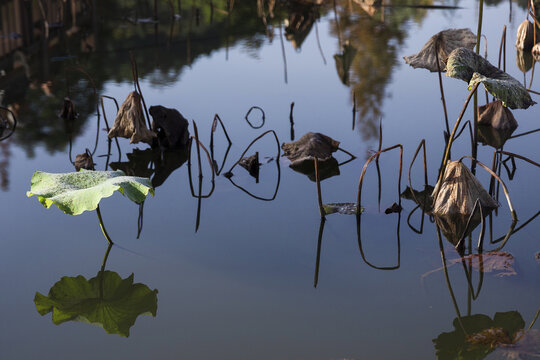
(444, 43)
(130, 123)
(458, 191)
(302, 154)
(170, 126)
(468, 66)
(497, 116)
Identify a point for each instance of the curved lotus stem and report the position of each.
(102, 225)
(421, 145)
(249, 112)
(505, 189)
(14, 123)
(376, 155)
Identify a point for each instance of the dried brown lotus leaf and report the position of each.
(458, 191)
(445, 42)
(130, 123)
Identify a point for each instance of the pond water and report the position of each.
(235, 275)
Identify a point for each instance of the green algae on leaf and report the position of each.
(468, 66)
(106, 300)
(80, 191)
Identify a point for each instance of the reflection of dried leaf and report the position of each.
(458, 191)
(68, 110)
(524, 60)
(476, 336)
(454, 227)
(493, 137)
(422, 198)
(446, 41)
(130, 123)
(170, 126)
(525, 35)
(468, 66)
(344, 62)
(394, 208)
(341, 208)
(526, 346)
(497, 116)
(501, 263)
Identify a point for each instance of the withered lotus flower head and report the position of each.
(525, 36)
(130, 123)
(84, 161)
(444, 43)
(68, 110)
(458, 191)
(497, 116)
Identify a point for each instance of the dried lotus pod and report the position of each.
(130, 123)
(457, 192)
(525, 36)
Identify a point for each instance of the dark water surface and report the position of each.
(242, 286)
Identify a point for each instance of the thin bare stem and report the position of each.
(319, 195)
(102, 225)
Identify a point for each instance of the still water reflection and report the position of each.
(236, 269)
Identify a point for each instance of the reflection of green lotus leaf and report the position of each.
(468, 66)
(110, 302)
(76, 192)
(482, 337)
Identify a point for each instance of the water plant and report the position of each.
(76, 192)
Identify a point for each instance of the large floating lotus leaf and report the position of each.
(79, 191)
(445, 42)
(468, 66)
(483, 335)
(106, 300)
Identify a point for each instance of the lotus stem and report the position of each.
(441, 87)
(263, 117)
(451, 138)
(319, 245)
(102, 225)
(319, 195)
(448, 284)
(360, 182)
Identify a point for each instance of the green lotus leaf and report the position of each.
(106, 300)
(468, 66)
(79, 191)
(483, 335)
